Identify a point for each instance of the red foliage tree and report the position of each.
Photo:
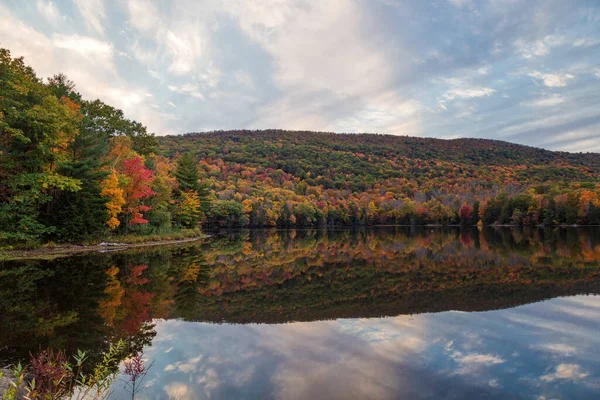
(137, 188)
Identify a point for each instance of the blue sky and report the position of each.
(524, 71)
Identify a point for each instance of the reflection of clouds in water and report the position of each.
(179, 391)
(345, 359)
(543, 349)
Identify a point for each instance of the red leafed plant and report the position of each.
(137, 188)
(135, 370)
(51, 373)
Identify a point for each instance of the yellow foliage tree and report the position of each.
(111, 190)
(188, 212)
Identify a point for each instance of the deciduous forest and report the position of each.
(73, 169)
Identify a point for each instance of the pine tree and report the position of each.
(187, 173)
(188, 179)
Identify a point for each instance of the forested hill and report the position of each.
(381, 148)
(328, 158)
(385, 178)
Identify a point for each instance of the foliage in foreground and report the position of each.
(49, 375)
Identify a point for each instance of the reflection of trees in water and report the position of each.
(91, 301)
(375, 272)
(77, 303)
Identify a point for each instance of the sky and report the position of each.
(523, 71)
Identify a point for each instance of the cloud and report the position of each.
(586, 42)
(187, 89)
(182, 42)
(461, 3)
(92, 12)
(557, 348)
(552, 80)
(546, 101)
(320, 68)
(469, 93)
(538, 48)
(484, 359)
(566, 371)
(49, 11)
(93, 50)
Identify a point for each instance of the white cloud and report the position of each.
(546, 101)
(183, 40)
(143, 16)
(586, 42)
(538, 48)
(49, 11)
(565, 371)
(93, 50)
(552, 80)
(187, 89)
(318, 66)
(171, 104)
(557, 348)
(92, 12)
(484, 359)
(468, 93)
(461, 3)
(184, 48)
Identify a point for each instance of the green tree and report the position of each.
(35, 130)
(188, 179)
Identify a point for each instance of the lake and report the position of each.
(382, 313)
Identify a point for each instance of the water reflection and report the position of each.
(547, 350)
(339, 283)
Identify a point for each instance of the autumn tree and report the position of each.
(137, 188)
(114, 194)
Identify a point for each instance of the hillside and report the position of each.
(366, 178)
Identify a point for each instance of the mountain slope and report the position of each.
(367, 172)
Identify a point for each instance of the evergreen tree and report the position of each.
(188, 179)
(187, 173)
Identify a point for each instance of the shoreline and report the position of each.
(49, 253)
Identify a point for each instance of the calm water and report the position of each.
(381, 313)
